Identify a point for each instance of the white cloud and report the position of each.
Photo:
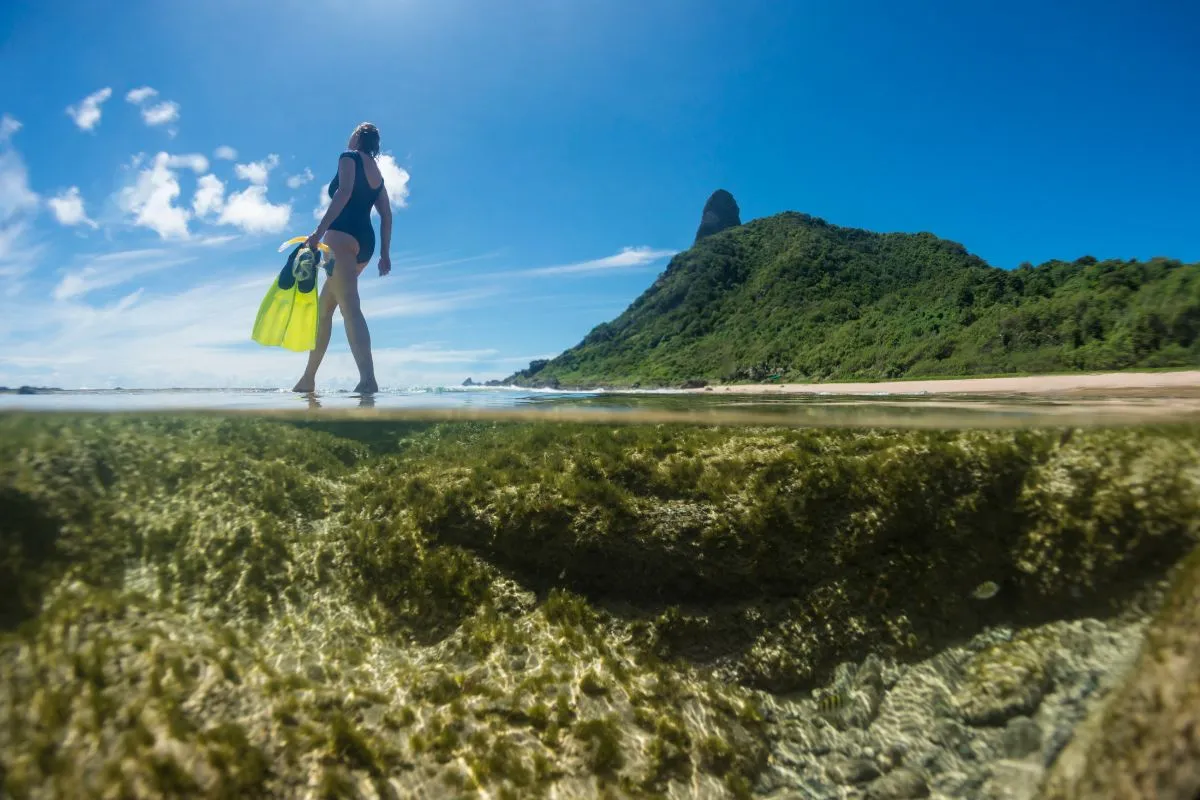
(185, 339)
(395, 178)
(296, 181)
(213, 241)
(257, 172)
(9, 236)
(143, 254)
(151, 200)
(17, 255)
(161, 113)
(141, 95)
(114, 269)
(15, 195)
(18, 207)
(414, 304)
(8, 126)
(422, 264)
(87, 113)
(225, 153)
(250, 210)
(323, 201)
(193, 161)
(627, 258)
(68, 208)
(209, 197)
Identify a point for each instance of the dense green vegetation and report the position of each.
(794, 298)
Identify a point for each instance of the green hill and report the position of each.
(792, 297)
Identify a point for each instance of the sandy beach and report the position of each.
(1146, 383)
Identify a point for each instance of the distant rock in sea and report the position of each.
(29, 390)
(720, 212)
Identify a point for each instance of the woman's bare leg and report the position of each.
(357, 333)
(345, 284)
(327, 305)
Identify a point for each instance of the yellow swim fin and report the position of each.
(287, 317)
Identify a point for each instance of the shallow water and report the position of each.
(534, 594)
(924, 411)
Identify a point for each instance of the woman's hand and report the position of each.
(385, 264)
(313, 240)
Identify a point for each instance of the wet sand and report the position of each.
(1143, 383)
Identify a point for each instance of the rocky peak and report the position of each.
(720, 212)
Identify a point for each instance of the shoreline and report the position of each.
(1026, 384)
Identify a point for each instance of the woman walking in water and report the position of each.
(346, 228)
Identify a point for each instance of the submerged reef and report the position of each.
(232, 606)
(1145, 740)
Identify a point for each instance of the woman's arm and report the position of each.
(340, 198)
(384, 206)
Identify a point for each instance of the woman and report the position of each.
(346, 228)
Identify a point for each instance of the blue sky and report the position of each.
(545, 157)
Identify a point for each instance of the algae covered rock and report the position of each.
(1006, 680)
(1022, 737)
(111, 694)
(1144, 741)
(902, 784)
(1093, 504)
(206, 507)
(278, 608)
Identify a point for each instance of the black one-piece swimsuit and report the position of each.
(355, 218)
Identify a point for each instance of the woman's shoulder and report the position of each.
(350, 154)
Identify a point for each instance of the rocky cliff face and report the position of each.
(720, 212)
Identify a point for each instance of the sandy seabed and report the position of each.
(1186, 382)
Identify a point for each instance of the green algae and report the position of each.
(602, 742)
(264, 608)
(1007, 680)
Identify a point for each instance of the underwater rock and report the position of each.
(900, 784)
(1022, 737)
(1144, 741)
(919, 730)
(278, 608)
(1005, 680)
(1013, 780)
(851, 770)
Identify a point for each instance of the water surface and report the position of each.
(484, 593)
(715, 407)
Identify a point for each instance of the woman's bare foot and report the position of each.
(306, 385)
(366, 387)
